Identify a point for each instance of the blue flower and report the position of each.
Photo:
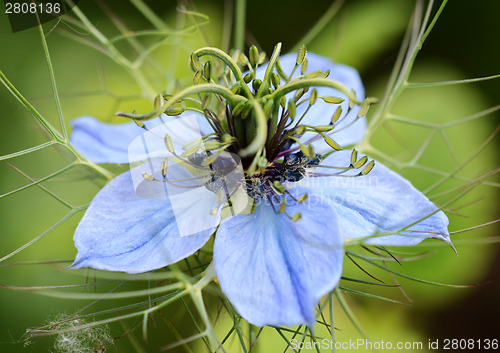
(275, 262)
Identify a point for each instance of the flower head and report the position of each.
(258, 162)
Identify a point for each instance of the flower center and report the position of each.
(260, 117)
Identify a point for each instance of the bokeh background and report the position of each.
(364, 34)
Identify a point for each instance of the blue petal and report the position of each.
(380, 202)
(125, 143)
(348, 131)
(122, 231)
(274, 270)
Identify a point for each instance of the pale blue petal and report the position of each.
(273, 270)
(121, 231)
(381, 201)
(349, 131)
(126, 143)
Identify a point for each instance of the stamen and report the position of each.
(368, 168)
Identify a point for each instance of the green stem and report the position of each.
(147, 90)
(53, 83)
(311, 82)
(415, 46)
(266, 82)
(239, 25)
(320, 25)
(229, 62)
(149, 15)
(46, 125)
(230, 97)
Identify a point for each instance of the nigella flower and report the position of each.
(280, 250)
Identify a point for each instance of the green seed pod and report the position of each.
(242, 58)
(277, 185)
(303, 198)
(314, 74)
(331, 142)
(256, 84)
(148, 176)
(352, 102)
(197, 76)
(139, 123)
(361, 162)
(301, 55)
(236, 88)
(354, 157)
(275, 80)
(221, 111)
(282, 206)
(238, 108)
(205, 101)
(324, 74)
(211, 145)
(283, 102)
(246, 110)
(168, 143)
(174, 111)
(163, 167)
(324, 128)
(300, 130)
(268, 107)
(262, 163)
(333, 100)
(158, 101)
(207, 71)
(248, 77)
(336, 115)
(194, 62)
(368, 168)
(314, 97)
(262, 58)
(253, 55)
(292, 109)
(303, 69)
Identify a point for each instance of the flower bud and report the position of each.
(256, 84)
(253, 55)
(248, 77)
(275, 80)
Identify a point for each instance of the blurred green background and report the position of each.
(365, 35)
